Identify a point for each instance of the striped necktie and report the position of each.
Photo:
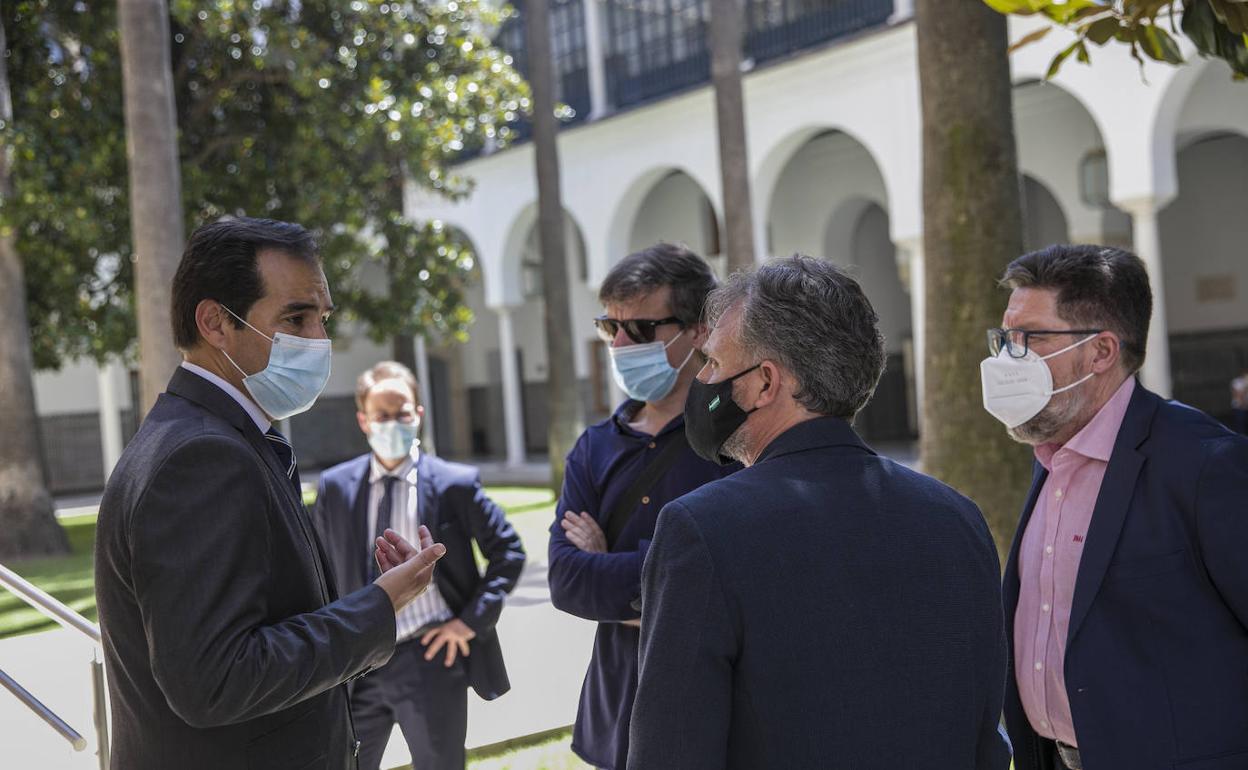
(285, 454)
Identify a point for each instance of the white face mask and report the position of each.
(1018, 389)
(392, 440)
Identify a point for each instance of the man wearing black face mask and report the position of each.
(225, 641)
(824, 607)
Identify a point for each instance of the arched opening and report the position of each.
(830, 201)
(1044, 222)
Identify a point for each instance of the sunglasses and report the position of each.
(639, 330)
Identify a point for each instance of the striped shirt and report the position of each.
(429, 607)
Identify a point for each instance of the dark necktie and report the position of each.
(285, 455)
(384, 508)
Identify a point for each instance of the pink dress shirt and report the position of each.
(1048, 563)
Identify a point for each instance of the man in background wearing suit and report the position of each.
(446, 640)
(224, 640)
(825, 606)
(1126, 590)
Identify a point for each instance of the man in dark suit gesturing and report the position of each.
(225, 643)
(446, 638)
(1126, 589)
(825, 607)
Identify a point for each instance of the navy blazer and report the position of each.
(224, 641)
(1157, 649)
(825, 607)
(455, 508)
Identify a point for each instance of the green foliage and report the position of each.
(1218, 28)
(315, 112)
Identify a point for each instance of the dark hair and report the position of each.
(1098, 287)
(386, 370)
(663, 264)
(220, 264)
(812, 318)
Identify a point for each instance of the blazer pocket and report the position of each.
(1146, 567)
(293, 745)
(1235, 761)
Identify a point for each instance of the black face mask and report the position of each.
(711, 416)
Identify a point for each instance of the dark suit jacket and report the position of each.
(454, 507)
(225, 646)
(1157, 649)
(823, 608)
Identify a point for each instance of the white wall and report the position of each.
(1204, 238)
(875, 266)
(674, 211)
(72, 390)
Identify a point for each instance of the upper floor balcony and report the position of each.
(611, 55)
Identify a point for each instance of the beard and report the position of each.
(1061, 411)
(735, 446)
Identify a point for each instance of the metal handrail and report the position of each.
(60, 612)
(47, 604)
(43, 712)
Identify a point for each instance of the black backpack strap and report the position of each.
(624, 508)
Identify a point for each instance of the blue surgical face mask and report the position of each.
(296, 374)
(392, 440)
(642, 371)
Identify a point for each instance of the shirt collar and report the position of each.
(404, 470)
(628, 410)
(254, 412)
(1096, 440)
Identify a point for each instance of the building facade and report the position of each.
(1154, 159)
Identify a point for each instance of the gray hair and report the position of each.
(813, 319)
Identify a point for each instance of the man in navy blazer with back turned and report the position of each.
(446, 640)
(1126, 590)
(824, 607)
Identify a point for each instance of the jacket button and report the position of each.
(653, 445)
(645, 500)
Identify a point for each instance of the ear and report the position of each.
(769, 373)
(210, 319)
(1106, 352)
(420, 412)
(362, 419)
(701, 333)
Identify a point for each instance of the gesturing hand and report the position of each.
(454, 635)
(583, 532)
(405, 571)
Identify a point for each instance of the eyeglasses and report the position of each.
(639, 330)
(1018, 341)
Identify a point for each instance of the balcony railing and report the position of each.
(653, 48)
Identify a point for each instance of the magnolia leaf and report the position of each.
(1017, 7)
(1066, 12)
(1102, 30)
(1029, 38)
(1158, 44)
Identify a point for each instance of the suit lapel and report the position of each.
(427, 502)
(1039, 474)
(1112, 504)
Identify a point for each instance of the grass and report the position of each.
(71, 578)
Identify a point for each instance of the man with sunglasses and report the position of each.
(622, 471)
(1126, 589)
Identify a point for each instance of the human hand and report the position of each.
(454, 635)
(583, 532)
(635, 622)
(405, 571)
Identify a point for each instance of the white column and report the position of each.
(109, 374)
(595, 60)
(1147, 242)
(903, 10)
(427, 444)
(513, 420)
(912, 248)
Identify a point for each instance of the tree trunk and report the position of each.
(563, 397)
(155, 185)
(734, 167)
(972, 229)
(403, 349)
(27, 517)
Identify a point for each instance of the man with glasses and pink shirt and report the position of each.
(620, 474)
(1126, 589)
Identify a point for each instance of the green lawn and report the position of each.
(71, 578)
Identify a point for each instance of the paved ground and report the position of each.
(546, 651)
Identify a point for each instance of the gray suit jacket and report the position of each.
(225, 645)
